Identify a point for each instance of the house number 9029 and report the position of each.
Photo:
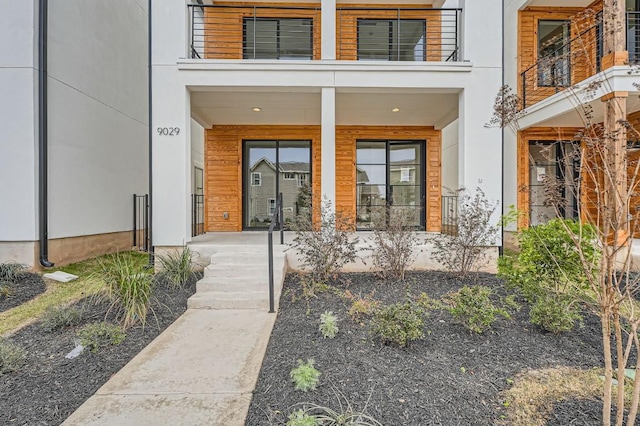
(168, 131)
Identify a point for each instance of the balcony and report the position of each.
(293, 33)
(574, 61)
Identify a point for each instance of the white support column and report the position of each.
(328, 136)
(328, 32)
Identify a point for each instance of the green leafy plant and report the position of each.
(62, 316)
(305, 376)
(326, 247)
(360, 306)
(177, 267)
(128, 287)
(12, 356)
(472, 306)
(394, 240)
(98, 335)
(302, 418)
(400, 323)
(6, 289)
(344, 415)
(10, 271)
(328, 324)
(556, 314)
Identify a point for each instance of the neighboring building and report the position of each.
(97, 107)
(370, 104)
(554, 55)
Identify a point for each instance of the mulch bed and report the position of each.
(27, 286)
(50, 387)
(451, 377)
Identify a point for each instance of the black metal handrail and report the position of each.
(141, 222)
(293, 32)
(450, 215)
(575, 61)
(276, 219)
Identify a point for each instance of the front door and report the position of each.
(390, 174)
(273, 167)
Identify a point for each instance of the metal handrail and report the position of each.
(276, 219)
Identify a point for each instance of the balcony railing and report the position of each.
(293, 33)
(574, 61)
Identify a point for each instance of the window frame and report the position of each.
(246, 48)
(259, 175)
(390, 44)
(271, 206)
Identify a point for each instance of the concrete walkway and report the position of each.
(202, 369)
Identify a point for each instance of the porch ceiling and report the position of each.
(218, 106)
(557, 3)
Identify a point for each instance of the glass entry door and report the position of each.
(390, 174)
(553, 181)
(272, 167)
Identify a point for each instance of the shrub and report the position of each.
(98, 335)
(472, 306)
(305, 377)
(394, 240)
(177, 267)
(328, 325)
(325, 247)
(301, 418)
(6, 289)
(400, 323)
(555, 314)
(10, 271)
(58, 317)
(464, 252)
(344, 415)
(361, 306)
(12, 357)
(128, 287)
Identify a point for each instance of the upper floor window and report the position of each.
(392, 39)
(554, 52)
(277, 38)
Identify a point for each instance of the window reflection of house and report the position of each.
(293, 176)
(553, 49)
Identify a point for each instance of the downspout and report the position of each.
(150, 135)
(501, 248)
(43, 166)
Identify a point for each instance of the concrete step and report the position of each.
(256, 300)
(209, 284)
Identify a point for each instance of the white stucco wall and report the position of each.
(450, 158)
(18, 109)
(98, 152)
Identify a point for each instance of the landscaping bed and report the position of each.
(49, 387)
(26, 286)
(450, 377)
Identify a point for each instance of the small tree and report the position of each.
(326, 246)
(394, 240)
(465, 251)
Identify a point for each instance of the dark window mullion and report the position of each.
(278, 38)
(390, 47)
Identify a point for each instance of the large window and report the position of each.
(390, 174)
(278, 38)
(554, 53)
(392, 39)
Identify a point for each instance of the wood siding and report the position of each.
(223, 168)
(346, 138)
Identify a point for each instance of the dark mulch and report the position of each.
(26, 287)
(450, 378)
(50, 387)
(578, 412)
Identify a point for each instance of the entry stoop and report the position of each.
(238, 278)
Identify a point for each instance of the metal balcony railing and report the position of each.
(293, 33)
(450, 215)
(574, 61)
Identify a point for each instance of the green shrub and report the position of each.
(98, 335)
(128, 287)
(301, 418)
(400, 323)
(62, 316)
(328, 325)
(177, 267)
(305, 377)
(360, 306)
(548, 261)
(12, 357)
(10, 271)
(6, 289)
(472, 306)
(555, 314)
